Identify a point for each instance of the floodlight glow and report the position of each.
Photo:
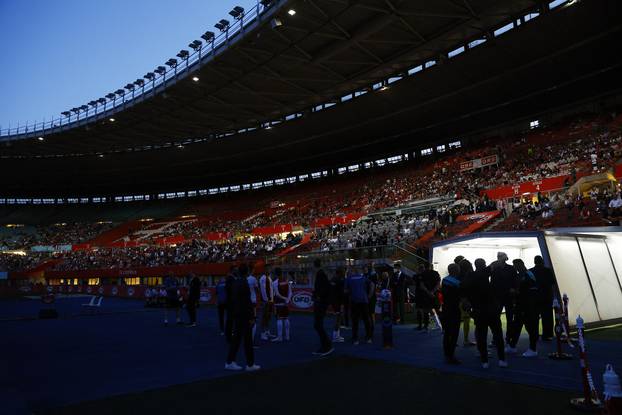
(195, 78)
(111, 119)
(40, 138)
(291, 12)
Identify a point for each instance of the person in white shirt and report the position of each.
(252, 285)
(267, 302)
(615, 206)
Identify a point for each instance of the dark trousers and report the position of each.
(529, 318)
(510, 306)
(191, 306)
(398, 309)
(483, 321)
(360, 311)
(228, 327)
(346, 313)
(221, 317)
(546, 314)
(319, 313)
(371, 307)
(451, 330)
(242, 330)
(423, 318)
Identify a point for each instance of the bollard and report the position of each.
(565, 320)
(559, 354)
(613, 392)
(589, 402)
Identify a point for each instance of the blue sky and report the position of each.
(58, 54)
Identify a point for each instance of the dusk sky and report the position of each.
(59, 54)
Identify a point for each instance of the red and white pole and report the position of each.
(559, 323)
(566, 321)
(589, 401)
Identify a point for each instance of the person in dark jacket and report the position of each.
(526, 311)
(465, 269)
(242, 313)
(546, 291)
(194, 294)
(372, 276)
(337, 300)
(398, 293)
(504, 284)
(321, 299)
(485, 311)
(221, 299)
(450, 314)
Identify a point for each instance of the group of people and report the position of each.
(484, 291)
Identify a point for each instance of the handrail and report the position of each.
(123, 98)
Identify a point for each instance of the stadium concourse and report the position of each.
(389, 206)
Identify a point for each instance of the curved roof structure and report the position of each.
(452, 68)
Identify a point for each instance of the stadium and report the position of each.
(433, 174)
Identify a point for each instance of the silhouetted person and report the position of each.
(546, 289)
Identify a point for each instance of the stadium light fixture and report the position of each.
(129, 87)
(111, 119)
(66, 113)
(101, 100)
(195, 78)
(111, 96)
(150, 76)
(120, 92)
(291, 12)
(276, 22)
(160, 70)
(183, 54)
(222, 25)
(195, 45)
(208, 36)
(266, 3)
(40, 138)
(171, 62)
(139, 82)
(237, 12)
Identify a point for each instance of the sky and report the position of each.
(59, 54)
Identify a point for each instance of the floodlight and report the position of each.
(160, 70)
(237, 12)
(183, 54)
(208, 36)
(171, 62)
(222, 25)
(195, 44)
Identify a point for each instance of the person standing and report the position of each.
(321, 298)
(242, 315)
(527, 310)
(194, 294)
(485, 310)
(546, 289)
(504, 284)
(360, 289)
(221, 300)
(465, 269)
(426, 295)
(282, 297)
(172, 299)
(253, 286)
(267, 302)
(338, 299)
(450, 314)
(372, 276)
(398, 293)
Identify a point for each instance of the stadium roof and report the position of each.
(285, 66)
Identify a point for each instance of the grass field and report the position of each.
(612, 333)
(339, 385)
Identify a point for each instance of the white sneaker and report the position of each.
(510, 349)
(232, 366)
(253, 368)
(503, 363)
(277, 340)
(530, 353)
(338, 339)
(485, 365)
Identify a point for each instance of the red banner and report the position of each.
(618, 171)
(544, 185)
(216, 236)
(80, 247)
(332, 220)
(478, 163)
(170, 240)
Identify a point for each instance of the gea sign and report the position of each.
(302, 299)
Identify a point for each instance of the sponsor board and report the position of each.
(302, 300)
